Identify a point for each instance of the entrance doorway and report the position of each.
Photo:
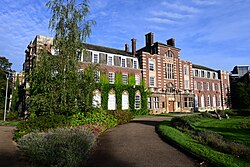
(171, 106)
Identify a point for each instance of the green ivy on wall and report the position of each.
(119, 88)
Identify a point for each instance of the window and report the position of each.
(135, 64)
(196, 102)
(190, 100)
(169, 71)
(186, 84)
(208, 101)
(207, 85)
(96, 58)
(110, 60)
(111, 101)
(152, 81)
(111, 77)
(196, 73)
(169, 54)
(96, 99)
(78, 55)
(123, 62)
(225, 77)
(213, 87)
(214, 101)
(186, 70)
(195, 85)
(214, 76)
(218, 87)
(219, 101)
(202, 73)
(156, 102)
(202, 101)
(97, 76)
(208, 74)
(137, 101)
(201, 86)
(125, 78)
(137, 80)
(149, 103)
(151, 65)
(125, 101)
(185, 102)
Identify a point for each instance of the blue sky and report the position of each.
(213, 33)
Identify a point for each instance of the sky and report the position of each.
(212, 33)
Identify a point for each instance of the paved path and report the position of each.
(9, 156)
(136, 144)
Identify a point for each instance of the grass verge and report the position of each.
(187, 143)
(9, 123)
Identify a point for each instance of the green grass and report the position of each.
(9, 123)
(188, 143)
(235, 129)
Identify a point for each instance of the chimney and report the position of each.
(126, 48)
(149, 39)
(171, 42)
(133, 46)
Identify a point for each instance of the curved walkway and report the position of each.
(136, 144)
(9, 156)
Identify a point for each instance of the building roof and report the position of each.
(203, 67)
(106, 49)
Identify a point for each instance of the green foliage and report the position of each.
(243, 98)
(188, 143)
(59, 147)
(41, 123)
(16, 96)
(131, 79)
(96, 117)
(5, 64)
(123, 116)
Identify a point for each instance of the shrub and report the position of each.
(182, 123)
(122, 116)
(98, 117)
(59, 147)
(41, 123)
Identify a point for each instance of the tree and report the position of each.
(243, 97)
(55, 80)
(5, 68)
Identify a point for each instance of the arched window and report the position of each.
(125, 100)
(214, 101)
(196, 101)
(137, 100)
(202, 101)
(169, 54)
(111, 100)
(96, 99)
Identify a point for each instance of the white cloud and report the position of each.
(161, 20)
(181, 7)
(170, 15)
(204, 2)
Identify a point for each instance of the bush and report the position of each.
(59, 147)
(41, 123)
(98, 117)
(122, 116)
(182, 123)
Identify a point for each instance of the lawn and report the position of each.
(235, 129)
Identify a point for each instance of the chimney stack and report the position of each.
(171, 42)
(126, 48)
(149, 39)
(133, 46)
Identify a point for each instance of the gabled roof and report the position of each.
(106, 49)
(203, 67)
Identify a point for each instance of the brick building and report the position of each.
(169, 78)
(175, 85)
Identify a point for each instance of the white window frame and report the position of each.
(123, 62)
(111, 101)
(125, 101)
(156, 102)
(110, 61)
(208, 101)
(208, 86)
(151, 81)
(96, 58)
(213, 86)
(195, 85)
(96, 102)
(151, 65)
(97, 76)
(186, 70)
(111, 77)
(186, 84)
(137, 80)
(135, 64)
(125, 78)
(137, 101)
